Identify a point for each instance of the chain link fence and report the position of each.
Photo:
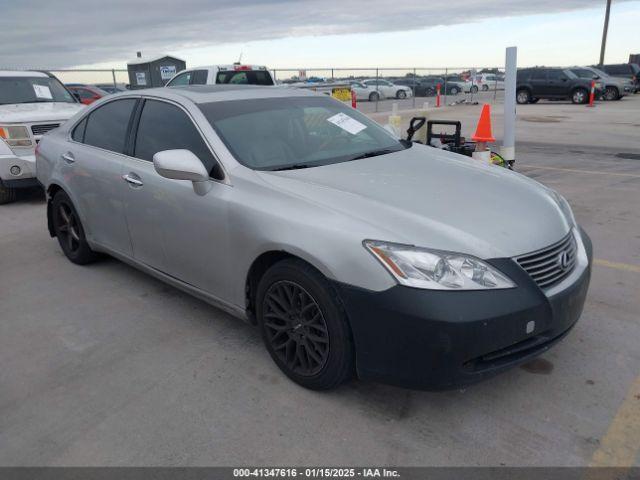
(378, 88)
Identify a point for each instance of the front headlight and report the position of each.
(15, 136)
(436, 269)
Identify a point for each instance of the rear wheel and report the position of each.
(7, 195)
(579, 96)
(523, 96)
(611, 93)
(374, 97)
(69, 231)
(474, 89)
(304, 326)
(454, 91)
(485, 87)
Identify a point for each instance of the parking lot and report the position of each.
(103, 365)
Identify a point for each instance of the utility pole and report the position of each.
(604, 32)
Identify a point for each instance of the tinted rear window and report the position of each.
(107, 126)
(245, 77)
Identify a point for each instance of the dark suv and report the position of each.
(552, 84)
(626, 70)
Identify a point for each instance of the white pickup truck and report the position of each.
(31, 104)
(214, 74)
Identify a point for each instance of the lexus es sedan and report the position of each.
(355, 253)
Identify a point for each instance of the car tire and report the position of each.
(401, 94)
(579, 96)
(611, 93)
(474, 89)
(7, 195)
(485, 87)
(374, 97)
(69, 231)
(304, 326)
(454, 91)
(523, 96)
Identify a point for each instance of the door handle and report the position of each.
(132, 180)
(68, 157)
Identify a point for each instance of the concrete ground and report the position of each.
(103, 365)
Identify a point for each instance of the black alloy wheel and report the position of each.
(295, 328)
(68, 229)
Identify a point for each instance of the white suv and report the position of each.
(235, 74)
(31, 104)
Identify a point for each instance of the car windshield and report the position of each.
(32, 90)
(296, 132)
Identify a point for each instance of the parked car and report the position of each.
(86, 94)
(448, 87)
(387, 88)
(614, 87)
(111, 88)
(365, 92)
(418, 88)
(31, 104)
(347, 247)
(553, 84)
(235, 74)
(484, 82)
(625, 70)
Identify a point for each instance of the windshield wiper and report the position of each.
(295, 166)
(373, 153)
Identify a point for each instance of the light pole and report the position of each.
(604, 32)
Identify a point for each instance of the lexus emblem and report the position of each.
(563, 260)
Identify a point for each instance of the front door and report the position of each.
(173, 229)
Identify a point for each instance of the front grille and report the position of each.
(549, 266)
(44, 128)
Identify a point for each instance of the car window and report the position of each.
(107, 125)
(556, 75)
(33, 90)
(164, 126)
(583, 72)
(181, 79)
(244, 77)
(539, 75)
(78, 132)
(199, 77)
(84, 93)
(617, 69)
(273, 133)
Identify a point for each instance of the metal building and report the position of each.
(156, 71)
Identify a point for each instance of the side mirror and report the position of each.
(182, 165)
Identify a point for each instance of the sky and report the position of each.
(312, 34)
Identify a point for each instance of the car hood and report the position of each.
(431, 198)
(38, 112)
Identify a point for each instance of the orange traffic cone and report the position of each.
(483, 131)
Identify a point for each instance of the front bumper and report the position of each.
(429, 339)
(27, 166)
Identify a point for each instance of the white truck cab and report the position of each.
(31, 104)
(214, 74)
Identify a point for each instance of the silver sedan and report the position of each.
(355, 253)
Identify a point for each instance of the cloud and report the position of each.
(65, 33)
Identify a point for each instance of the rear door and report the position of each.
(94, 161)
(172, 228)
(538, 81)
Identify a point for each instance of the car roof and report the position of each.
(22, 73)
(223, 92)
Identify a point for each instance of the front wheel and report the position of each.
(304, 325)
(474, 89)
(579, 96)
(611, 93)
(454, 91)
(401, 94)
(7, 195)
(485, 87)
(69, 231)
(374, 97)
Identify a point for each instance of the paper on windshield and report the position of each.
(42, 91)
(347, 123)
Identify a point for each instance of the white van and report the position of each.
(31, 104)
(215, 74)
